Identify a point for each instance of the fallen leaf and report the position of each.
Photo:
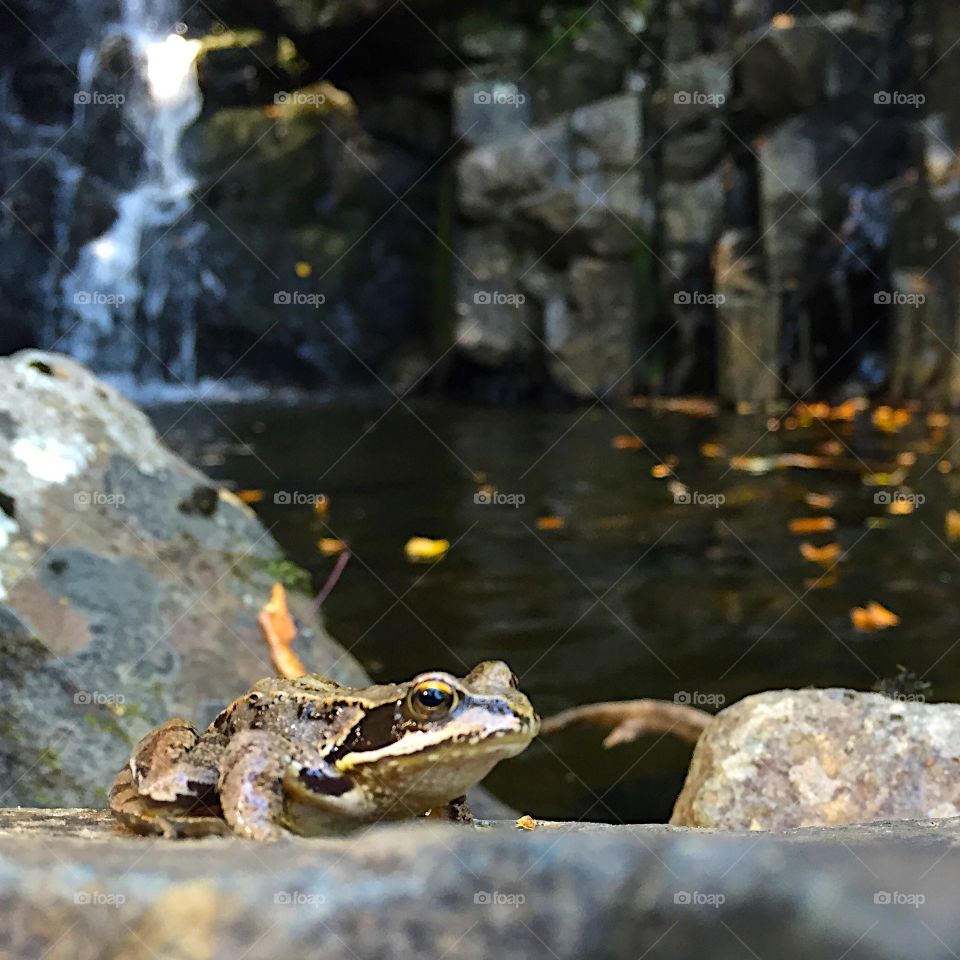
(626, 441)
(826, 555)
(712, 451)
(824, 582)
(901, 506)
(873, 617)
(820, 501)
(890, 420)
(906, 459)
(783, 21)
(692, 406)
(812, 525)
(944, 467)
(425, 550)
(526, 822)
(551, 523)
(660, 470)
(279, 631)
(251, 496)
(803, 461)
(754, 465)
(938, 421)
(881, 479)
(330, 546)
(953, 525)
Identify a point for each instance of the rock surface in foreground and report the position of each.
(70, 887)
(129, 586)
(799, 758)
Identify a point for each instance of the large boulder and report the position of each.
(798, 758)
(129, 585)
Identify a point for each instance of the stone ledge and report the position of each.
(72, 886)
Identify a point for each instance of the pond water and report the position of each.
(637, 594)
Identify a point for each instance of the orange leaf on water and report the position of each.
(825, 555)
(938, 421)
(626, 441)
(424, 550)
(712, 451)
(953, 525)
(812, 525)
(820, 501)
(551, 523)
(873, 617)
(660, 470)
(331, 546)
(251, 496)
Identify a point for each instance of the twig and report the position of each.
(629, 719)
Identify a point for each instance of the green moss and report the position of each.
(290, 575)
(105, 723)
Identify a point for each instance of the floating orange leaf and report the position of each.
(890, 420)
(692, 406)
(813, 525)
(279, 632)
(938, 421)
(823, 582)
(425, 550)
(825, 555)
(660, 470)
(331, 546)
(873, 617)
(820, 501)
(901, 506)
(803, 461)
(754, 465)
(953, 525)
(906, 458)
(551, 523)
(251, 496)
(783, 21)
(944, 467)
(626, 441)
(893, 479)
(712, 451)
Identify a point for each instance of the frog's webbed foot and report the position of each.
(143, 815)
(456, 811)
(251, 786)
(165, 768)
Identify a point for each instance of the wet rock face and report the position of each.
(129, 585)
(821, 757)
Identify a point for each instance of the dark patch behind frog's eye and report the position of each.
(514, 681)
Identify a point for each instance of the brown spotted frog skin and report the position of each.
(309, 756)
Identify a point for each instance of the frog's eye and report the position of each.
(431, 700)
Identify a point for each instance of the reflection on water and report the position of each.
(638, 595)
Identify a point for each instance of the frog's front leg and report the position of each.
(251, 785)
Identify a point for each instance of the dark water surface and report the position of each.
(637, 595)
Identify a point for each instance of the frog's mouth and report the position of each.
(412, 749)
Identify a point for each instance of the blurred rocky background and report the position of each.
(503, 201)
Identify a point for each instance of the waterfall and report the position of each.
(128, 304)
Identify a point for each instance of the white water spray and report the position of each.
(116, 297)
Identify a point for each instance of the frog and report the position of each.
(311, 757)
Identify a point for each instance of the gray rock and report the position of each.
(820, 757)
(493, 315)
(72, 887)
(129, 585)
(590, 337)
